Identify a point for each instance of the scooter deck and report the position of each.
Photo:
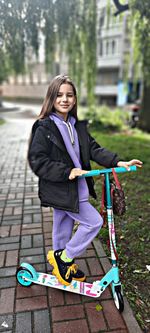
(83, 288)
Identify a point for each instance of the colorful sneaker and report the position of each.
(78, 275)
(62, 270)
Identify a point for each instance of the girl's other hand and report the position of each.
(76, 172)
(126, 165)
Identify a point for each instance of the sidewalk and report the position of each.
(26, 236)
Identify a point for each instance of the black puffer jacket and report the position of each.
(50, 161)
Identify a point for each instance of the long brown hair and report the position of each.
(48, 104)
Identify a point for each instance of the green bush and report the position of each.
(108, 118)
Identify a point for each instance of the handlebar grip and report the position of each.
(121, 169)
(93, 173)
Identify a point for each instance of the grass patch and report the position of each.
(132, 230)
(2, 121)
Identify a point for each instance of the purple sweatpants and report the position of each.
(63, 221)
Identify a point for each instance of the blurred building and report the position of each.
(113, 48)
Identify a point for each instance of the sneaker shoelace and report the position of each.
(72, 269)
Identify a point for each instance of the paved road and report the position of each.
(26, 236)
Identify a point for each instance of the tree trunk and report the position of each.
(144, 121)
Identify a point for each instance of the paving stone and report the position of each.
(7, 300)
(33, 259)
(15, 202)
(4, 272)
(17, 210)
(32, 231)
(48, 243)
(7, 247)
(15, 230)
(94, 266)
(34, 290)
(31, 251)
(7, 240)
(11, 222)
(47, 227)
(89, 253)
(8, 211)
(7, 282)
(4, 231)
(27, 202)
(37, 218)
(23, 323)
(2, 205)
(32, 226)
(40, 267)
(67, 312)
(36, 201)
(27, 218)
(29, 304)
(11, 196)
(6, 322)
(11, 258)
(83, 266)
(31, 211)
(55, 297)
(112, 315)
(19, 195)
(26, 242)
(96, 318)
(47, 219)
(2, 258)
(37, 240)
(71, 298)
(41, 322)
(47, 235)
(72, 326)
(2, 197)
(12, 218)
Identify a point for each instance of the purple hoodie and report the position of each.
(71, 142)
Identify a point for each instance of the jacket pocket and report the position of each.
(54, 193)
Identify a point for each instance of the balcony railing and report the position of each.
(110, 90)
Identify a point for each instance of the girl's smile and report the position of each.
(65, 100)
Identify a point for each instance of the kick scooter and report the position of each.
(26, 274)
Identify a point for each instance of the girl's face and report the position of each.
(65, 100)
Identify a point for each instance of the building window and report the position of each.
(102, 18)
(107, 48)
(101, 48)
(113, 46)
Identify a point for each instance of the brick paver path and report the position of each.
(26, 236)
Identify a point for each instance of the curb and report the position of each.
(127, 314)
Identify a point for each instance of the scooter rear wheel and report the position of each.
(118, 299)
(22, 276)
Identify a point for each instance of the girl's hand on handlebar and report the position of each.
(126, 165)
(76, 172)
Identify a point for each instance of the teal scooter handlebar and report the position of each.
(93, 173)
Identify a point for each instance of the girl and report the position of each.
(60, 150)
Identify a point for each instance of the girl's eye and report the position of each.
(68, 95)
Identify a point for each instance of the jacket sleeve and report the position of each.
(41, 162)
(101, 155)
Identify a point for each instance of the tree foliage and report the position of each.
(141, 12)
(141, 16)
(68, 26)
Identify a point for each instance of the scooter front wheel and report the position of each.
(22, 276)
(118, 299)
